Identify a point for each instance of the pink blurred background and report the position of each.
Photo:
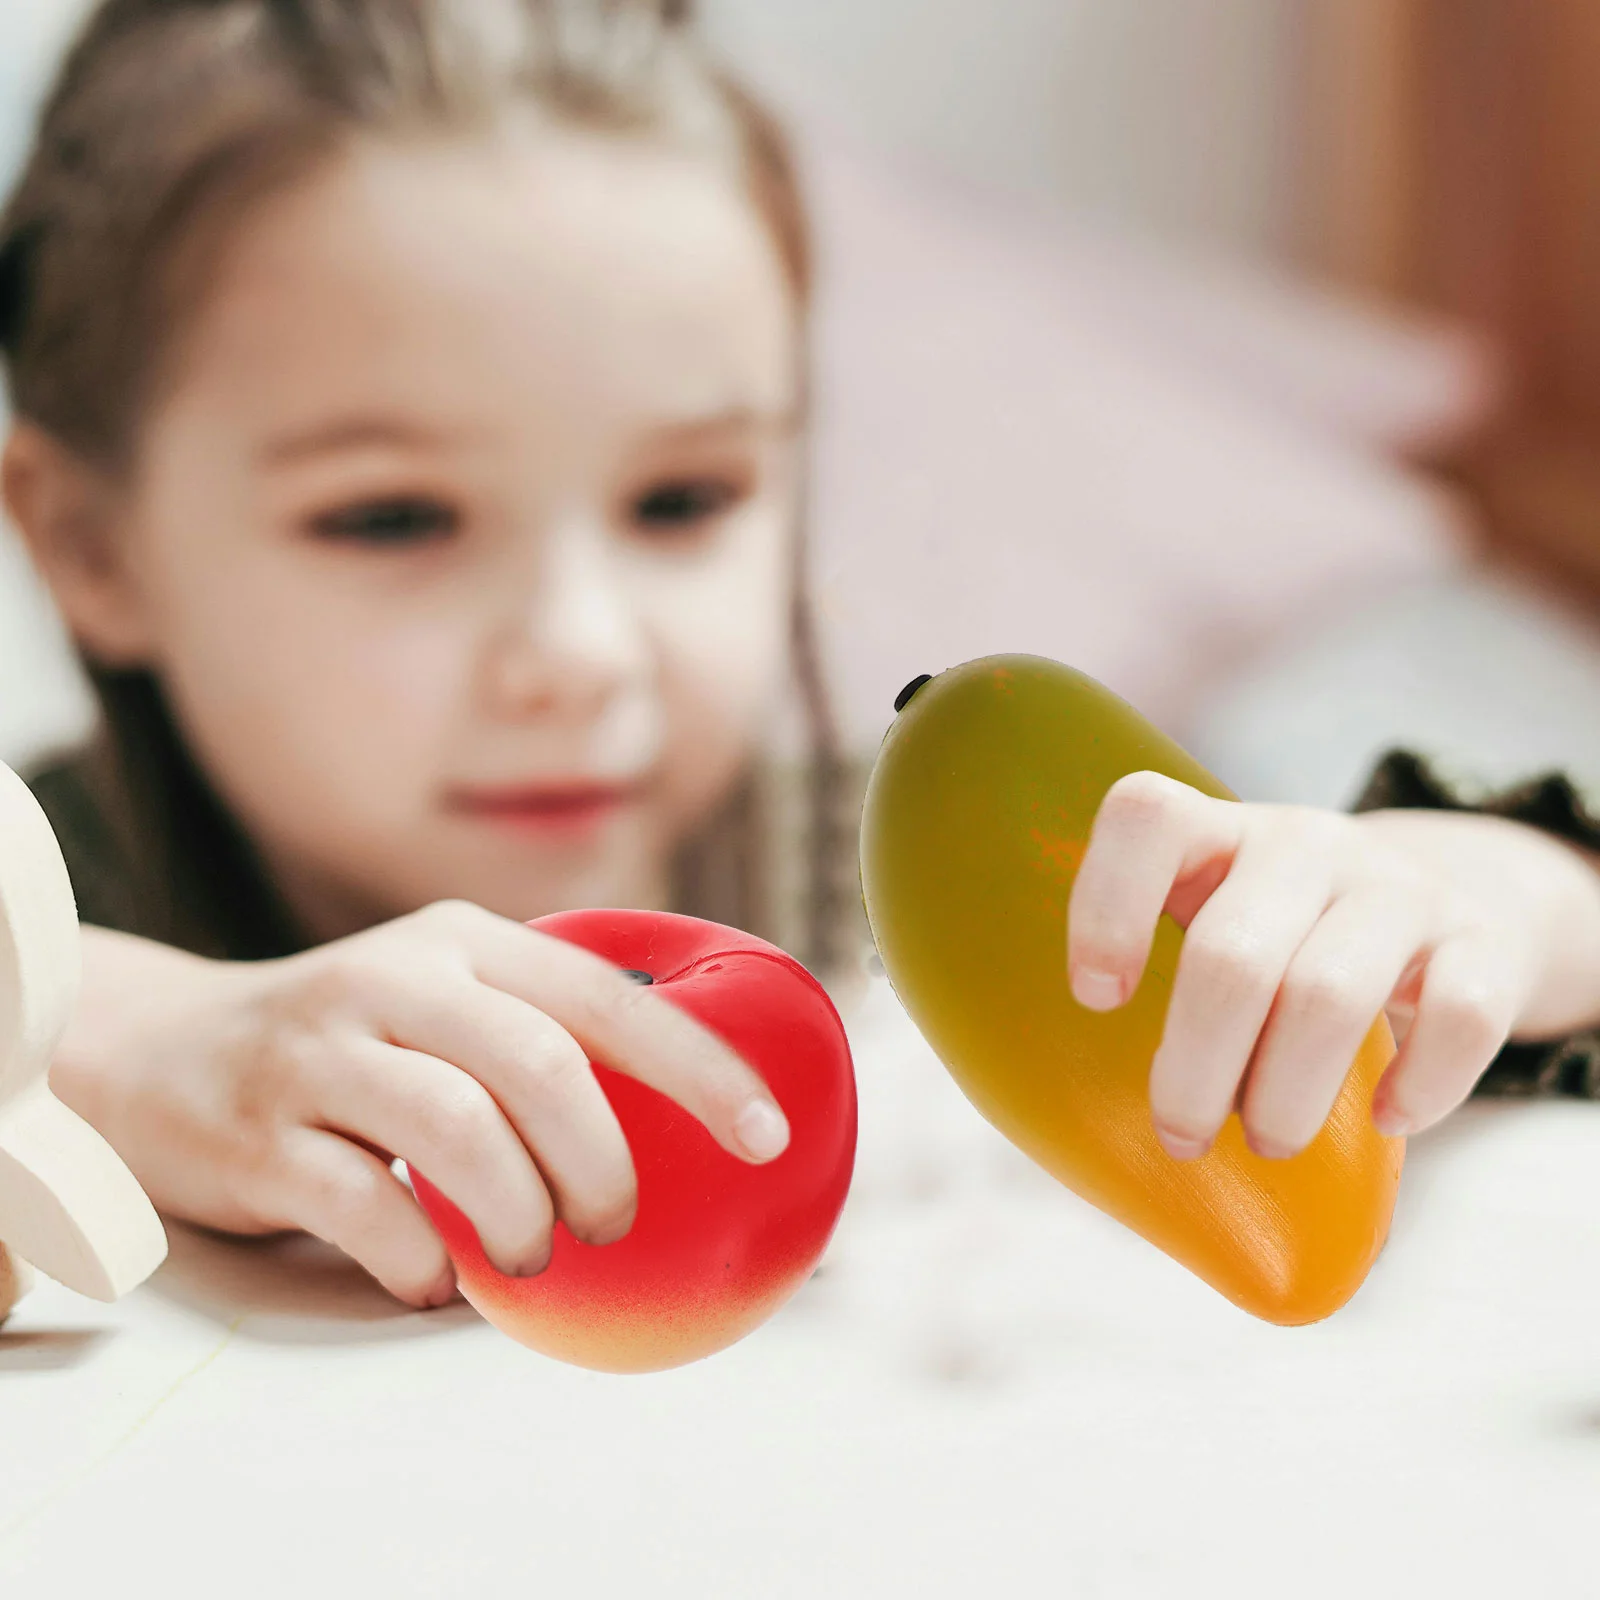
(1118, 365)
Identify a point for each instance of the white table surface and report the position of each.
(989, 1390)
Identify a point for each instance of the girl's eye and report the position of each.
(682, 505)
(401, 521)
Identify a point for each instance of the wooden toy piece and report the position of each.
(977, 815)
(68, 1205)
(16, 1279)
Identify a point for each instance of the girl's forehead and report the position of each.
(605, 269)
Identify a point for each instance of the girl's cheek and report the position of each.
(332, 688)
(728, 623)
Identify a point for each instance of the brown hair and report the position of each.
(169, 117)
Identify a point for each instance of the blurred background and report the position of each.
(1245, 354)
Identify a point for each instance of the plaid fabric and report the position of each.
(1552, 803)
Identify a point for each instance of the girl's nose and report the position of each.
(573, 638)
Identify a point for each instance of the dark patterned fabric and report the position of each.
(1404, 781)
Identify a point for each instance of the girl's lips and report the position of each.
(547, 806)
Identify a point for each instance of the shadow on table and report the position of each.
(1584, 1422)
(1442, 1146)
(289, 1289)
(49, 1349)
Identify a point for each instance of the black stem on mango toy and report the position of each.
(903, 699)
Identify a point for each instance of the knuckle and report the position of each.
(464, 1122)
(1142, 800)
(268, 1075)
(291, 1067)
(1308, 830)
(1467, 1015)
(631, 1000)
(1326, 993)
(1394, 885)
(451, 918)
(1402, 877)
(1232, 960)
(613, 1000)
(555, 1064)
(254, 1151)
(340, 982)
(1467, 916)
(346, 1196)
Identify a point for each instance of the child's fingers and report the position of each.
(347, 1197)
(447, 1125)
(541, 1078)
(629, 1028)
(1235, 954)
(1149, 831)
(1465, 1011)
(1333, 990)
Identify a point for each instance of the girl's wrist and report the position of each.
(1541, 891)
(127, 984)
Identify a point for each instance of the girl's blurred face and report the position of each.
(461, 535)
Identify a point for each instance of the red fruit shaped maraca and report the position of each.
(718, 1245)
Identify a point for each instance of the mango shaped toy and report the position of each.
(717, 1245)
(978, 812)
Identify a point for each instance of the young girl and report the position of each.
(409, 401)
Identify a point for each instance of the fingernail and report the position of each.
(533, 1265)
(1392, 1123)
(1269, 1149)
(1099, 991)
(1180, 1148)
(610, 1232)
(762, 1130)
(528, 1266)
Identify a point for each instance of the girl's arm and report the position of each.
(1302, 925)
(273, 1095)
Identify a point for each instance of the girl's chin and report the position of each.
(525, 877)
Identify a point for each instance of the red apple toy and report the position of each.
(718, 1244)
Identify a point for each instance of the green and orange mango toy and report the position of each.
(977, 815)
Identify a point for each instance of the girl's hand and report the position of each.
(1302, 926)
(254, 1098)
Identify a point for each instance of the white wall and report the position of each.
(31, 34)
(1166, 114)
(42, 700)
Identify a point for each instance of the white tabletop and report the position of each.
(988, 1390)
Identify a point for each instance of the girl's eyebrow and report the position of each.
(351, 433)
(776, 420)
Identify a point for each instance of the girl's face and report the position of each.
(461, 537)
